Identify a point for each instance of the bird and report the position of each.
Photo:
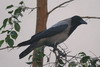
(52, 36)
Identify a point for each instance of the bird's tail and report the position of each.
(24, 43)
(28, 50)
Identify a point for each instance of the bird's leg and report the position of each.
(60, 53)
(55, 47)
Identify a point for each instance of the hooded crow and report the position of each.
(53, 36)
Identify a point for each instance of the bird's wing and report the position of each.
(49, 32)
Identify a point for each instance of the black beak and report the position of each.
(83, 22)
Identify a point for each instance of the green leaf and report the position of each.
(1, 42)
(10, 12)
(21, 2)
(29, 62)
(1, 27)
(17, 27)
(10, 20)
(85, 59)
(9, 41)
(72, 64)
(7, 38)
(82, 54)
(5, 22)
(60, 61)
(18, 11)
(14, 34)
(10, 6)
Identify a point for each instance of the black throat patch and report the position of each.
(74, 25)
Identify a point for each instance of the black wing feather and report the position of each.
(50, 32)
(47, 33)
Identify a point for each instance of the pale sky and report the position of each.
(85, 38)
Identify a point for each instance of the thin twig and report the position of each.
(8, 47)
(32, 9)
(91, 17)
(59, 6)
(72, 57)
(93, 53)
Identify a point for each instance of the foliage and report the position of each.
(12, 22)
(84, 60)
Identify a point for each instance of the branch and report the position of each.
(91, 17)
(59, 6)
(8, 47)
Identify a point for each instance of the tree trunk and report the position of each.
(40, 26)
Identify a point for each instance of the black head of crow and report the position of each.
(55, 35)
